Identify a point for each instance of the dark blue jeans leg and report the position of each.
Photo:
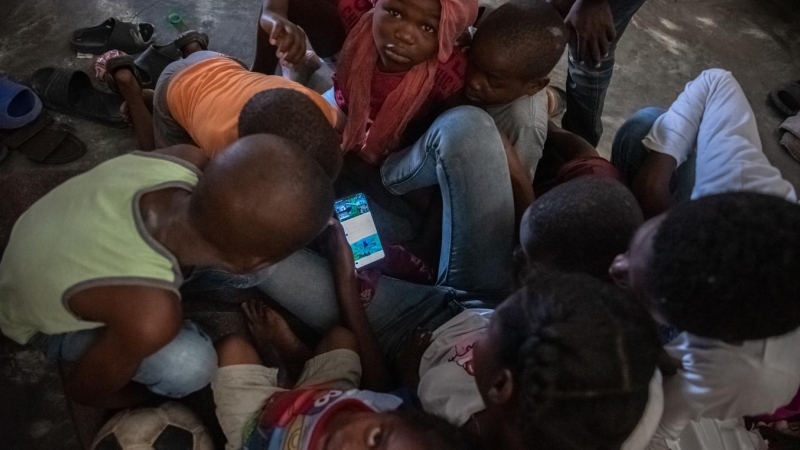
(628, 152)
(587, 85)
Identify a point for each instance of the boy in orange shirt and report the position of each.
(209, 100)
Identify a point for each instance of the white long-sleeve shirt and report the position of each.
(713, 118)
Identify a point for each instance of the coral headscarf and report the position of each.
(355, 69)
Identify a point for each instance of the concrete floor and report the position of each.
(668, 43)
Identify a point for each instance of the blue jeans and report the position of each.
(587, 85)
(628, 153)
(462, 152)
(185, 365)
(211, 279)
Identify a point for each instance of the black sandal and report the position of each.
(71, 92)
(113, 34)
(189, 37)
(42, 143)
(120, 62)
(153, 61)
(786, 99)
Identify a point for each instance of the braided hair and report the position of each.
(582, 353)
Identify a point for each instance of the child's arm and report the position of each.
(521, 184)
(288, 37)
(375, 376)
(568, 146)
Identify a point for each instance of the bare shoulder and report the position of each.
(189, 153)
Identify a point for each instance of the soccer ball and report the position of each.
(169, 426)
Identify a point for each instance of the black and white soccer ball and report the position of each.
(169, 426)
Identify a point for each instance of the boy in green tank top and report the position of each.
(112, 244)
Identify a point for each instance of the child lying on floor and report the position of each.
(399, 59)
(210, 100)
(324, 410)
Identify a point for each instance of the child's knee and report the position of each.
(235, 349)
(186, 365)
(466, 129)
(338, 338)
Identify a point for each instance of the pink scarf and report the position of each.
(356, 66)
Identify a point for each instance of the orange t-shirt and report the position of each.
(207, 98)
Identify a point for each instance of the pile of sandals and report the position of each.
(24, 125)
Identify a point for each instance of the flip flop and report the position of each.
(113, 34)
(56, 145)
(786, 99)
(71, 92)
(153, 61)
(18, 105)
(189, 37)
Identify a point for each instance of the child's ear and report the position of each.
(536, 85)
(502, 387)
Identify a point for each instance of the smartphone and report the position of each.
(359, 228)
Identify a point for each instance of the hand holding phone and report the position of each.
(359, 230)
(334, 246)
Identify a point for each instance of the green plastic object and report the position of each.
(174, 18)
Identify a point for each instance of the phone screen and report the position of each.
(359, 228)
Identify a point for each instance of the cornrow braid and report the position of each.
(582, 353)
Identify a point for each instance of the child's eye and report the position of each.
(375, 438)
(394, 13)
(428, 29)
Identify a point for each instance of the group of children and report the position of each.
(559, 318)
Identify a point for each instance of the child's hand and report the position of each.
(288, 37)
(592, 30)
(335, 247)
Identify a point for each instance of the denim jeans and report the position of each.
(462, 152)
(187, 364)
(211, 279)
(587, 85)
(628, 153)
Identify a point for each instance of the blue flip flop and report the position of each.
(18, 105)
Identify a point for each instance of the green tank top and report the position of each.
(85, 233)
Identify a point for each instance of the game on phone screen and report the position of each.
(359, 228)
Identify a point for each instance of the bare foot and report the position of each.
(270, 329)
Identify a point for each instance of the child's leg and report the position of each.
(274, 339)
(236, 349)
(463, 153)
(241, 386)
(141, 117)
(321, 23)
(335, 364)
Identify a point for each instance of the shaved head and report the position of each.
(256, 204)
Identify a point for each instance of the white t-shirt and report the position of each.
(446, 380)
(713, 118)
(724, 381)
(524, 122)
(447, 383)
